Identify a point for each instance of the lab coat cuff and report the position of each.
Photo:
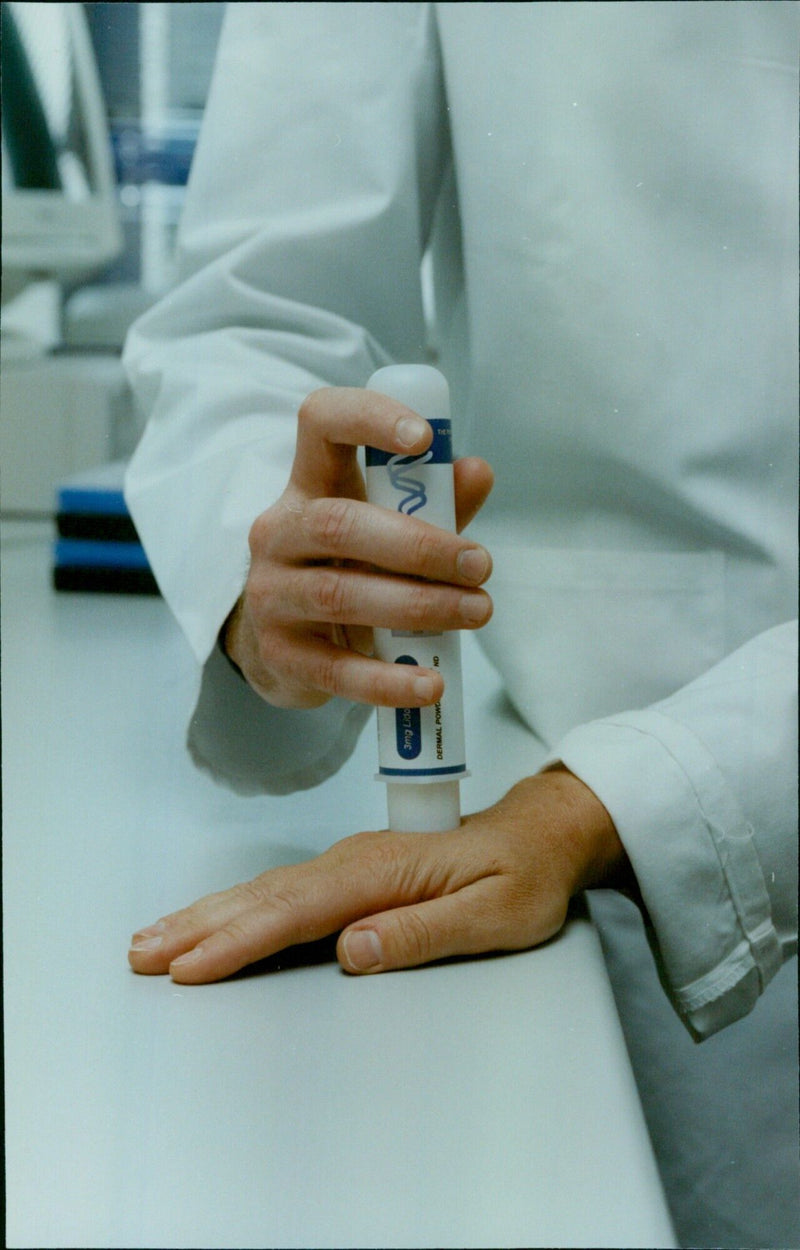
(695, 859)
(254, 748)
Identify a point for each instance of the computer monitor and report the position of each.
(60, 206)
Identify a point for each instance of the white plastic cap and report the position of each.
(424, 807)
(420, 387)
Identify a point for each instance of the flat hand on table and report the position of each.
(326, 566)
(502, 881)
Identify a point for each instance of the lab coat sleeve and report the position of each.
(309, 202)
(702, 788)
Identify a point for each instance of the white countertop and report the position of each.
(479, 1102)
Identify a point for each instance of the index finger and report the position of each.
(334, 421)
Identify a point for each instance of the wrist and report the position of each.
(598, 856)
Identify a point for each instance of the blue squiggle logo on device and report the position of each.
(415, 497)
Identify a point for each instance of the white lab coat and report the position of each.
(608, 193)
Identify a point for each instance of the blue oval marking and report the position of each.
(408, 724)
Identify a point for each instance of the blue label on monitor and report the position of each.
(439, 452)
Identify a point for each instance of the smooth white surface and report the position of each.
(483, 1102)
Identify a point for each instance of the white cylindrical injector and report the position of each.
(421, 750)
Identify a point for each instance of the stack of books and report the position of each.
(98, 548)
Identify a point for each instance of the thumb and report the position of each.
(471, 921)
(473, 480)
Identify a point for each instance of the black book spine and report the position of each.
(102, 527)
(105, 580)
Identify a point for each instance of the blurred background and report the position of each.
(101, 108)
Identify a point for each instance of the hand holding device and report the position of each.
(326, 566)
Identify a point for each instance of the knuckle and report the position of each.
(238, 937)
(286, 898)
(262, 534)
(388, 686)
(418, 608)
(265, 895)
(257, 595)
(387, 861)
(313, 406)
(378, 853)
(249, 893)
(330, 595)
(385, 692)
(424, 548)
(354, 845)
(256, 536)
(328, 675)
(414, 940)
(332, 522)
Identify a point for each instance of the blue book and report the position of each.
(89, 552)
(92, 505)
(98, 548)
(98, 491)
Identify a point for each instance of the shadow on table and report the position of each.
(323, 951)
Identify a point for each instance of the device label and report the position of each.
(407, 724)
(420, 486)
(423, 743)
(439, 452)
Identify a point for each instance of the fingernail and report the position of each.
(474, 609)
(151, 929)
(189, 958)
(473, 565)
(409, 430)
(362, 948)
(140, 942)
